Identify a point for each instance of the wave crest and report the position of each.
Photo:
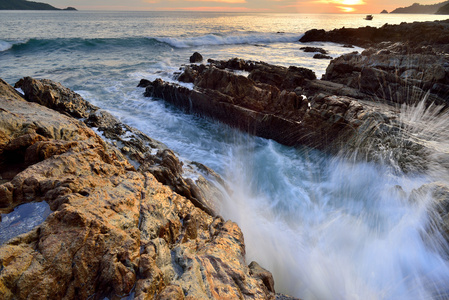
(5, 45)
(233, 39)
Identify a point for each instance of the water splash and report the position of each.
(335, 228)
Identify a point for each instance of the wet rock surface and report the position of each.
(113, 231)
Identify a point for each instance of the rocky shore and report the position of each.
(354, 108)
(127, 219)
(130, 219)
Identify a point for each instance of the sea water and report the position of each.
(326, 227)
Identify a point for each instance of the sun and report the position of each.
(342, 6)
(347, 5)
(346, 9)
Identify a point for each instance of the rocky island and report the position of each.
(28, 5)
(444, 10)
(129, 219)
(417, 8)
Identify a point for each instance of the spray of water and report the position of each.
(334, 228)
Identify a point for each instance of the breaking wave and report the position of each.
(5, 45)
(232, 39)
(76, 44)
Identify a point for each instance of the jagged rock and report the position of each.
(113, 230)
(196, 57)
(134, 144)
(393, 74)
(314, 49)
(322, 56)
(331, 116)
(281, 77)
(144, 83)
(54, 95)
(259, 272)
(285, 297)
(25, 136)
(190, 73)
(256, 103)
(417, 34)
(167, 168)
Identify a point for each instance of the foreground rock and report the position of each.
(113, 231)
(145, 153)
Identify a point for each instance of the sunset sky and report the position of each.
(290, 6)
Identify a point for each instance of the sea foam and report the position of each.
(4, 45)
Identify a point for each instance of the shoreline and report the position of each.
(121, 204)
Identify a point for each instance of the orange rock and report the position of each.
(113, 231)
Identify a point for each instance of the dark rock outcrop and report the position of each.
(196, 57)
(322, 56)
(417, 35)
(354, 109)
(393, 74)
(293, 108)
(314, 49)
(114, 231)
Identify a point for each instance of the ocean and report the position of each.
(326, 227)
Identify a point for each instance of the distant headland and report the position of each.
(417, 8)
(28, 5)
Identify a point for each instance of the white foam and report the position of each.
(340, 233)
(232, 39)
(4, 45)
